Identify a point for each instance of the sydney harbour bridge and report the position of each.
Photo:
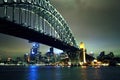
(37, 21)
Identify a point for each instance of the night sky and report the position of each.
(94, 22)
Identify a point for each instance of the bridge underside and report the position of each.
(21, 31)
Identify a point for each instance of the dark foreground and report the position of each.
(58, 73)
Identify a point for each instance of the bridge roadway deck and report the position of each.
(14, 29)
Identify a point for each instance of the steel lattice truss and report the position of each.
(40, 16)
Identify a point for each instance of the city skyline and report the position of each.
(96, 23)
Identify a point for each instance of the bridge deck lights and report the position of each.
(9, 1)
(34, 1)
(22, 1)
(14, 1)
(5, 1)
(29, 1)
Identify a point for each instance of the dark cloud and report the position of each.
(95, 22)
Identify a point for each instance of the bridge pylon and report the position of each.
(83, 53)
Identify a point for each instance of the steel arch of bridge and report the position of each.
(40, 16)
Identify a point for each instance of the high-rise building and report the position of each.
(34, 51)
(50, 55)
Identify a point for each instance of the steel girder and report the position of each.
(43, 8)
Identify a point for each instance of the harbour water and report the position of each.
(58, 73)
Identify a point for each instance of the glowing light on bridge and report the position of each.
(82, 46)
(5, 1)
(22, 0)
(14, 0)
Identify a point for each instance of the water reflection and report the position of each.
(58, 74)
(55, 73)
(84, 74)
(90, 74)
(97, 74)
(33, 73)
(44, 73)
(50, 73)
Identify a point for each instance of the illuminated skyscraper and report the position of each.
(34, 51)
(82, 47)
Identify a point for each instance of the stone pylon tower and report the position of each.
(82, 47)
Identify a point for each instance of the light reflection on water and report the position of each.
(57, 73)
(46, 73)
(33, 73)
